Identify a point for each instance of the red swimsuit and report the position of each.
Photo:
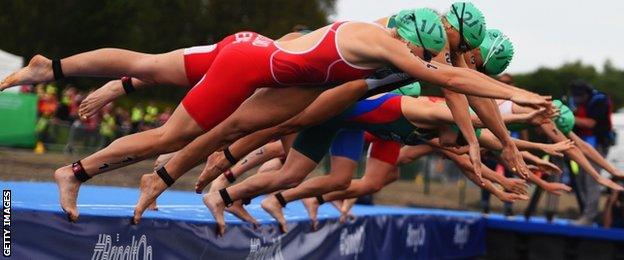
(253, 62)
(198, 59)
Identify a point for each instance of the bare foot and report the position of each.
(151, 187)
(337, 204)
(312, 205)
(68, 187)
(215, 204)
(39, 70)
(162, 159)
(273, 207)
(240, 212)
(98, 99)
(214, 167)
(345, 210)
(153, 206)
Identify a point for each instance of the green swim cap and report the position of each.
(412, 90)
(496, 52)
(429, 28)
(455, 129)
(391, 22)
(474, 22)
(565, 120)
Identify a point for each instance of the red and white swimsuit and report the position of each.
(198, 59)
(248, 63)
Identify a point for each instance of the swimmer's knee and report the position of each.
(343, 183)
(291, 127)
(275, 150)
(392, 178)
(170, 141)
(236, 130)
(290, 182)
(373, 185)
(376, 187)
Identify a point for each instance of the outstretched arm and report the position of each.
(460, 80)
(410, 153)
(489, 141)
(575, 154)
(541, 164)
(459, 108)
(518, 188)
(594, 155)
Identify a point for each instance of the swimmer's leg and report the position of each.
(265, 108)
(177, 132)
(329, 104)
(293, 172)
(167, 68)
(338, 178)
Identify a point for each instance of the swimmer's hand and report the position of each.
(511, 158)
(556, 188)
(609, 184)
(510, 197)
(474, 151)
(545, 167)
(541, 116)
(517, 186)
(532, 100)
(557, 148)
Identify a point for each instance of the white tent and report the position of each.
(615, 153)
(9, 63)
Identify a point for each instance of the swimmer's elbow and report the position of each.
(454, 81)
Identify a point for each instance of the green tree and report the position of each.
(554, 81)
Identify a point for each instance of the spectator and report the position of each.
(122, 119)
(164, 117)
(108, 126)
(614, 209)
(151, 116)
(592, 112)
(67, 101)
(136, 117)
(47, 107)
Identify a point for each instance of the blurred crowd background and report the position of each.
(59, 128)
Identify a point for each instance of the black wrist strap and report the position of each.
(229, 175)
(229, 156)
(79, 172)
(246, 201)
(164, 175)
(57, 69)
(320, 199)
(126, 82)
(280, 199)
(225, 196)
